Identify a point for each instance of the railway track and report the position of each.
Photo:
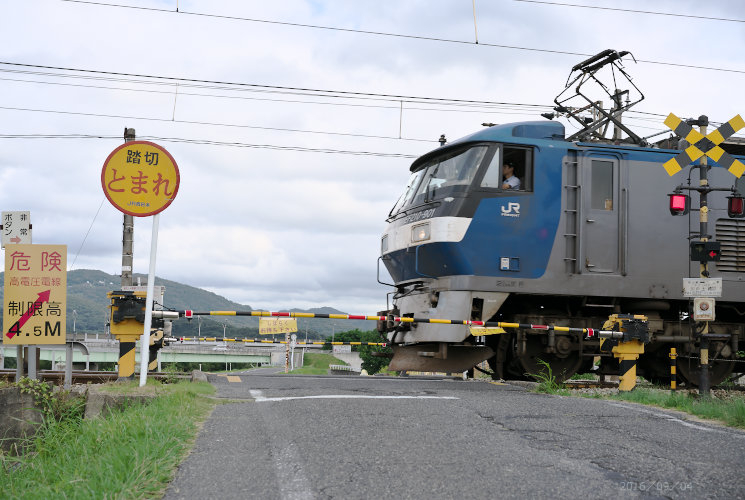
(590, 384)
(83, 377)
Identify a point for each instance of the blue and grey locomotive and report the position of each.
(583, 230)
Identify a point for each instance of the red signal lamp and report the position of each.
(736, 206)
(680, 203)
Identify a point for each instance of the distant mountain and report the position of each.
(87, 309)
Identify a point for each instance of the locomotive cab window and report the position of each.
(510, 169)
(447, 175)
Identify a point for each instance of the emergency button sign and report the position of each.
(140, 178)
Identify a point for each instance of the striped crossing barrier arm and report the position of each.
(264, 341)
(589, 332)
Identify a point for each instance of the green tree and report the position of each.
(370, 362)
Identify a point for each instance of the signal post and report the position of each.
(704, 146)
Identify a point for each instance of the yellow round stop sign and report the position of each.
(140, 178)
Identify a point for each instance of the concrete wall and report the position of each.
(278, 358)
(18, 417)
(353, 358)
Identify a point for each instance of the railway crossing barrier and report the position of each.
(492, 325)
(623, 335)
(631, 333)
(127, 319)
(262, 341)
(127, 322)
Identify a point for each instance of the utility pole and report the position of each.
(128, 231)
(126, 348)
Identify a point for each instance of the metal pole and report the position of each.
(68, 365)
(703, 384)
(19, 363)
(145, 340)
(287, 352)
(32, 362)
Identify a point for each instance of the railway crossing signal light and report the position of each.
(680, 203)
(736, 206)
(705, 251)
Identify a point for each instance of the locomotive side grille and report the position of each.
(731, 235)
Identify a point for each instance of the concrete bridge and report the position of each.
(106, 350)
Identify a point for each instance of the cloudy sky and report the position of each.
(293, 123)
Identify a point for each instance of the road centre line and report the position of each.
(260, 398)
(292, 481)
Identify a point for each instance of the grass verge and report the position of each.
(548, 383)
(317, 364)
(727, 408)
(128, 454)
(724, 406)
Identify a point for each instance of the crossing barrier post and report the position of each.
(127, 319)
(626, 345)
(673, 369)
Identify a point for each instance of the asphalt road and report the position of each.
(292, 437)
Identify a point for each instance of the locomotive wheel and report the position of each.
(564, 362)
(720, 367)
(504, 363)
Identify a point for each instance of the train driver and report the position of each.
(510, 181)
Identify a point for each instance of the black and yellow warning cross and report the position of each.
(701, 145)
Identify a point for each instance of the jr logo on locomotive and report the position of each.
(35, 294)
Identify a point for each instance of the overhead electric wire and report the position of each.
(214, 124)
(271, 89)
(58, 136)
(492, 106)
(210, 142)
(488, 106)
(281, 148)
(503, 110)
(318, 92)
(635, 11)
(398, 35)
(506, 106)
(72, 266)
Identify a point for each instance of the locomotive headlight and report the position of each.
(384, 244)
(420, 232)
